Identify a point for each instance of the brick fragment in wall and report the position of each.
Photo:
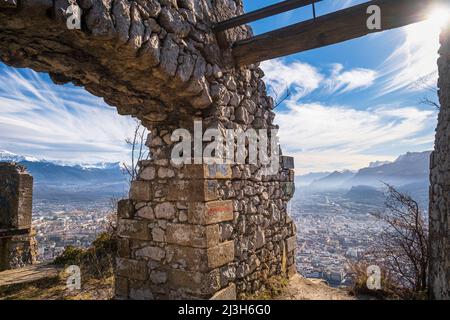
(210, 212)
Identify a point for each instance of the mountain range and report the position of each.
(56, 180)
(408, 173)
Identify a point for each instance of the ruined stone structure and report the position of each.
(440, 183)
(192, 231)
(17, 243)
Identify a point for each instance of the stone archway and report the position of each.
(192, 231)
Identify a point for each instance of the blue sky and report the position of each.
(351, 103)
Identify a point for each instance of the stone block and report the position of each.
(199, 283)
(140, 290)
(201, 259)
(125, 209)
(151, 252)
(288, 189)
(131, 269)
(134, 229)
(291, 243)
(292, 270)
(208, 171)
(220, 254)
(165, 210)
(123, 248)
(192, 235)
(121, 287)
(291, 175)
(287, 162)
(228, 293)
(192, 259)
(217, 171)
(141, 191)
(210, 212)
(191, 190)
(16, 194)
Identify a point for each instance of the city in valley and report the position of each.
(333, 211)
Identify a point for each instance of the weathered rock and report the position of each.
(165, 210)
(155, 253)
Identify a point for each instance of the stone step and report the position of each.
(29, 274)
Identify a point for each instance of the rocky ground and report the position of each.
(298, 288)
(56, 290)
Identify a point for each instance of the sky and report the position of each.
(350, 104)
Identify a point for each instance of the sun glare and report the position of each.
(440, 16)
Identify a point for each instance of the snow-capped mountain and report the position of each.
(54, 177)
(12, 157)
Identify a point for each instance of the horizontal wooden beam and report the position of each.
(262, 13)
(329, 29)
(8, 3)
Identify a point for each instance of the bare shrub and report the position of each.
(401, 251)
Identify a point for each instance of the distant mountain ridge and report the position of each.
(409, 173)
(334, 180)
(54, 179)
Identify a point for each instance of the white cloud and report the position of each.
(414, 60)
(58, 122)
(344, 81)
(339, 137)
(303, 78)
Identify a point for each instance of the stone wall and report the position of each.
(440, 183)
(17, 243)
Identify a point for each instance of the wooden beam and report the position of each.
(8, 3)
(262, 13)
(329, 29)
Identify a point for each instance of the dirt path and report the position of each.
(300, 288)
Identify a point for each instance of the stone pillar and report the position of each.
(439, 277)
(17, 244)
(200, 231)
